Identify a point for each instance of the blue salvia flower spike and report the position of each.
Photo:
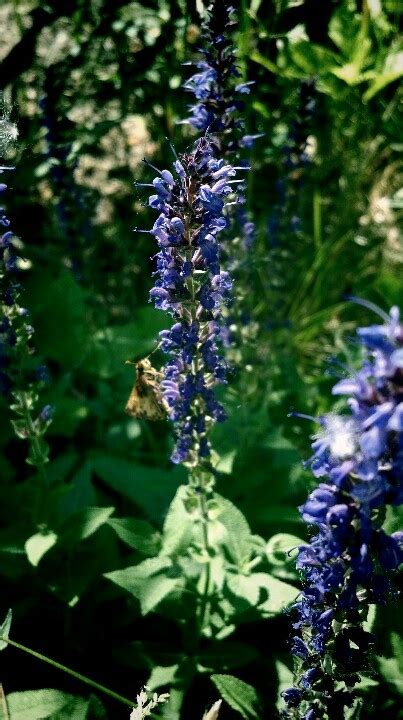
(349, 563)
(192, 287)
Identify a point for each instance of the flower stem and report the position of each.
(206, 590)
(69, 671)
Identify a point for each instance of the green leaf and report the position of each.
(38, 545)
(391, 671)
(138, 534)
(344, 28)
(60, 314)
(113, 345)
(84, 523)
(149, 488)
(384, 80)
(263, 592)
(178, 526)
(161, 676)
(279, 547)
(397, 644)
(150, 581)
(5, 629)
(39, 704)
(239, 536)
(239, 695)
(312, 59)
(246, 587)
(280, 594)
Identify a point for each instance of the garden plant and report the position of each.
(201, 360)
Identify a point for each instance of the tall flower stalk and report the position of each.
(350, 559)
(218, 109)
(218, 93)
(20, 377)
(191, 286)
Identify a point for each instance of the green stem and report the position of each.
(69, 671)
(206, 590)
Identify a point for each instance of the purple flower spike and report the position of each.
(349, 562)
(193, 289)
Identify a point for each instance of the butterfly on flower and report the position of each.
(146, 400)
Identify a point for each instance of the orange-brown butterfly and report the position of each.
(145, 400)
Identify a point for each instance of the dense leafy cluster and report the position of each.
(347, 564)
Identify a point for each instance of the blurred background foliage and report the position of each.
(94, 87)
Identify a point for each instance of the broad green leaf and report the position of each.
(113, 345)
(279, 547)
(239, 695)
(138, 534)
(246, 587)
(239, 536)
(60, 314)
(150, 581)
(5, 629)
(40, 704)
(149, 488)
(38, 545)
(397, 644)
(84, 523)
(263, 592)
(161, 676)
(391, 671)
(178, 526)
(280, 594)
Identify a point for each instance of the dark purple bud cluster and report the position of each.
(191, 286)
(216, 85)
(349, 562)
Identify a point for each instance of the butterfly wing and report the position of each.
(145, 401)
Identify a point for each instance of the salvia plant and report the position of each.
(21, 377)
(219, 111)
(348, 564)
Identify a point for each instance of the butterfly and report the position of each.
(145, 400)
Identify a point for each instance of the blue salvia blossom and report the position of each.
(219, 104)
(191, 286)
(349, 562)
(20, 377)
(216, 87)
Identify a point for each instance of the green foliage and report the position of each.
(5, 630)
(108, 538)
(239, 695)
(41, 704)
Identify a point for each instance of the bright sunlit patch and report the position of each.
(340, 433)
